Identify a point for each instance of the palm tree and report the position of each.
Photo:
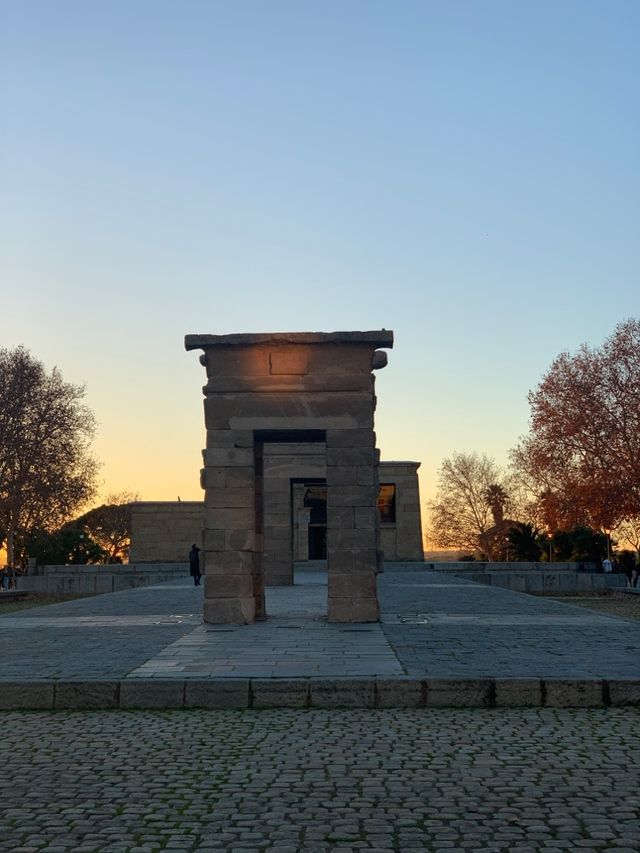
(525, 540)
(496, 499)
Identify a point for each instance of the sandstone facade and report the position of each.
(301, 483)
(164, 531)
(313, 388)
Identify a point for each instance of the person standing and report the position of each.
(194, 564)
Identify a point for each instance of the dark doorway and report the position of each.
(315, 499)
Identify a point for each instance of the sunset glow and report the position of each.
(464, 174)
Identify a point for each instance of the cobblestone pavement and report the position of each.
(432, 626)
(289, 781)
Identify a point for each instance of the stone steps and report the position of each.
(402, 692)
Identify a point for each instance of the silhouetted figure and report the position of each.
(194, 564)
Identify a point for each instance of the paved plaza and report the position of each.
(286, 781)
(432, 625)
(299, 780)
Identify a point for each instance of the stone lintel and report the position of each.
(388, 463)
(379, 338)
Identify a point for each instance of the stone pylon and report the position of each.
(292, 388)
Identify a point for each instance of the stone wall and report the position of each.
(532, 578)
(164, 531)
(402, 540)
(100, 579)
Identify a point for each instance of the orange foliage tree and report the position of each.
(581, 459)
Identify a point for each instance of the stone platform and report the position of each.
(442, 641)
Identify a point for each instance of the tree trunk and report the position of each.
(10, 543)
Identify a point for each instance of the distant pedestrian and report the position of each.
(607, 565)
(11, 574)
(4, 579)
(194, 564)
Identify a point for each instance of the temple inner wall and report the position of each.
(163, 531)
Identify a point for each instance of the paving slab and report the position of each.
(441, 640)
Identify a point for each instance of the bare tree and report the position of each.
(46, 470)
(628, 532)
(468, 485)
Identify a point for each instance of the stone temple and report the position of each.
(291, 472)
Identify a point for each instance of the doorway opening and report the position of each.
(315, 500)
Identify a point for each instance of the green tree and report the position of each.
(525, 543)
(580, 544)
(110, 525)
(68, 545)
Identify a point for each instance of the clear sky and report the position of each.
(464, 173)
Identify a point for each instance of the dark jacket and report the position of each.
(194, 561)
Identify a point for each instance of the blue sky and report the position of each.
(464, 173)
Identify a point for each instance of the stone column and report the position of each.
(352, 524)
(232, 590)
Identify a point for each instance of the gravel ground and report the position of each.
(612, 604)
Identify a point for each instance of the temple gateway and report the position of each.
(291, 473)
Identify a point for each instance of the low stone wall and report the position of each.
(403, 692)
(533, 578)
(99, 579)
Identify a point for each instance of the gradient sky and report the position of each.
(464, 173)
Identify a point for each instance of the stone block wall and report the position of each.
(282, 463)
(100, 579)
(290, 387)
(403, 539)
(164, 531)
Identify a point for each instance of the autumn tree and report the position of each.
(471, 490)
(46, 470)
(109, 525)
(581, 459)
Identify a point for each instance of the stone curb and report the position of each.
(380, 693)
